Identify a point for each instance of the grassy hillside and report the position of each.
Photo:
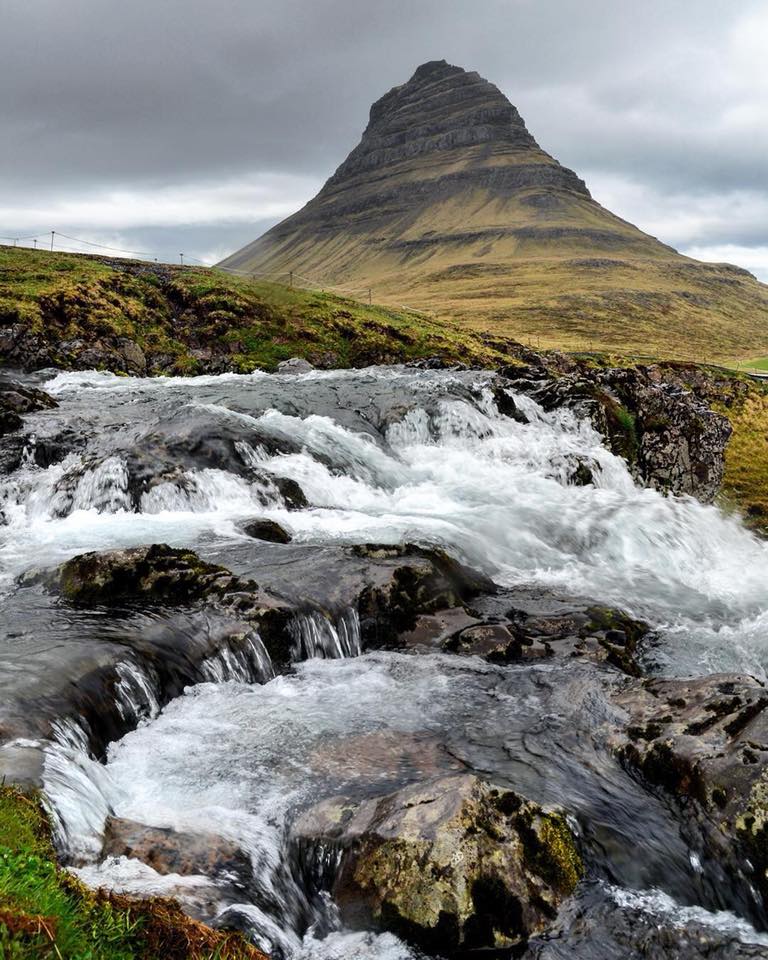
(126, 315)
(570, 275)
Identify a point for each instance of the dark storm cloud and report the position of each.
(101, 96)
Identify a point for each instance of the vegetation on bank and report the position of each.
(745, 484)
(137, 317)
(48, 914)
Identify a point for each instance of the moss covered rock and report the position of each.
(454, 863)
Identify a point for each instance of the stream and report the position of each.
(381, 456)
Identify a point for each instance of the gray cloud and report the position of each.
(664, 102)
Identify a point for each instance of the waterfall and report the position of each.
(314, 635)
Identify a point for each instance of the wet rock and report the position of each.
(294, 365)
(519, 624)
(506, 405)
(433, 630)
(382, 755)
(436, 363)
(17, 399)
(582, 475)
(668, 434)
(705, 741)
(117, 671)
(494, 641)
(171, 851)
(449, 864)
(263, 529)
(602, 924)
(157, 572)
(420, 581)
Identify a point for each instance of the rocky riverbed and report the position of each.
(393, 662)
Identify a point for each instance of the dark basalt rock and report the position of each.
(448, 864)
(670, 437)
(422, 581)
(590, 927)
(157, 572)
(17, 399)
(266, 530)
(706, 742)
(522, 625)
(295, 365)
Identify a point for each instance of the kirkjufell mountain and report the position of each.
(448, 204)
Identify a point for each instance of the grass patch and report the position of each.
(759, 363)
(47, 914)
(745, 484)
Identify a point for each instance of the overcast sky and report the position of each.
(193, 125)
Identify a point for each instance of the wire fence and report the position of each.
(55, 241)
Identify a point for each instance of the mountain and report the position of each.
(449, 204)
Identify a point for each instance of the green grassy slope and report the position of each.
(72, 310)
(570, 275)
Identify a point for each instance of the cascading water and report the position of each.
(382, 456)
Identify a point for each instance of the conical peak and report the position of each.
(442, 107)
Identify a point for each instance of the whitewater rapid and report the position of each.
(452, 473)
(389, 456)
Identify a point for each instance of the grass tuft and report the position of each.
(48, 914)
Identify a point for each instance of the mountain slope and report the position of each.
(449, 204)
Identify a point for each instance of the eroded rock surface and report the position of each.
(451, 863)
(705, 741)
(172, 851)
(518, 625)
(668, 434)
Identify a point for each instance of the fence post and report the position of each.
(52, 235)
(290, 278)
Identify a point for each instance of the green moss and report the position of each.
(625, 432)
(558, 858)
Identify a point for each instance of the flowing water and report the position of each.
(382, 456)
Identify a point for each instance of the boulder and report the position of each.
(670, 437)
(418, 581)
(453, 863)
(294, 365)
(156, 572)
(264, 529)
(133, 357)
(705, 741)
(174, 851)
(521, 624)
(16, 400)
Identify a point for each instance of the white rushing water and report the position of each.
(441, 467)
(238, 760)
(454, 473)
